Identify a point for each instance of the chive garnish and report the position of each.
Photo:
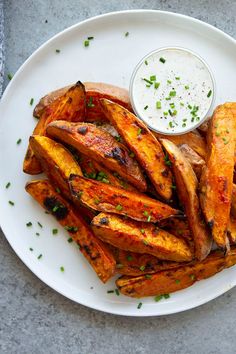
(153, 78)
(172, 93)
(86, 43)
(126, 34)
(131, 154)
(129, 258)
(40, 256)
(142, 231)
(148, 276)
(8, 185)
(173, 186)
(70, 240)
(139, 131)
(139, 305)
(148, 81)
(62, 269)
(156, 85)
(110, 291)
(119, 265)
(142, 268)
(158, 104)
(186, 87)
(209, 93)
(182, 104)
(90, 38)
(119, 207)
(117, 292)
(31, 101)
(184, 125)
(149, 218)
(158, 298)
(10, 76)
(177, 78)
(162, 60)
(28, 224)
(37, 234)
(54, 231)
(145, 213)
(192, 276)
(31, 249)
(19, 141)
(145, 242)
(172, 105)
(169, 81)
(90, 102)
(57, 51)
(146, 107)
(165, 113)
(39, 224)
(71, 228)
(171, 125)
(146, 62)
(177, 281)
(11, 202)
(166, 296)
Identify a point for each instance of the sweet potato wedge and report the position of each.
(187, 184)
(94, 250)
(135, 264)
(58, 164)
(70, 107)
(104, 197)
(92, 169)
(101, 147)
(169, 281)
(141, 141)
(193, 139)
(194, 159)
(217, 177)
(232, 230)
(94, 91)
(134, 236)
(177, 226)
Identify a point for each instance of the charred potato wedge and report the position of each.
(95, 251)
(169, 281)
(187, 184)
(143, 144)
(94, 91)
(134, 236)
(101, 147)
(70, 107)
(104, 197)
(194, 159)
(217, 177)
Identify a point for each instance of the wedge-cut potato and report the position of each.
(94, 91)
(233, 201)
(169, 281)
(92, 169)
(101, 147)
(134, 236)
(217, 177)
(194, 159)
(94, 250)
(58, 164)
(131, 263)
(71, 107)
(193, 139)
(143, 144)
(104, 197)
(177, 226)
(232, 230)
(187, 184)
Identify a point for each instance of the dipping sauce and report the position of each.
(172, 90)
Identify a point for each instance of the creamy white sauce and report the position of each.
(179, 94)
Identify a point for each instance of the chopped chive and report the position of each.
(177, 78)
(167, 161)
(186, 87)
(139, 305)
(182, 104)
(90, 38)
(119, 265)
(146, 62)
(146, 107)
(172, 105)
(57, 51)
(71, 228)
(148, 81)
(172, 93)
(31, 249)
(189, 106)
(129, 258)
(192, 120)
(183, 125)
(119, 207)
(90, 102)
(39, 224)
(217, 133)
(177, 281)
(139, 131)
(153, 78)
(58, 190)
(171, 125)
(158, 104)
(11, 203)
(145, 242)
(131, 154)
(148, 276)
(184, 120)
(142, 268)
(156, 85)
(31, 101)
(126, 34)
(158, 298)
(149, 218)
(40, 256)
(8, 185)
(86, 43)
(174, 113)
(166, 296)
(117, 292)
(148, 85)
(142, 231)
(96, 201)
(110, 291)
(173, 186)
(162, 60)
(169, 81)
(28, 224)
(37, 234)
(10, 76)
(145, 213)
(19, 141)
(54, 231)
(70, 240)
(165, 113)
(167, 98)
(192, 276)
(62, 269)
(209, 93)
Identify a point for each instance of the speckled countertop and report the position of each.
(35, 319)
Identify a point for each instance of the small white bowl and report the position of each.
(180, 121)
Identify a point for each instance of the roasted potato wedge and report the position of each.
(141, 141)
(193, 139)
(70, 107)
(187, 184)
(177, 226)
(94, 91)
(217, 177)
(104, 197)
(134, 236)
(232, 230)
(194, 159)
(169, 281)
(101, 147)
(135, 264)
(95, 251)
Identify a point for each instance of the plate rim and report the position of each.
(84, 302)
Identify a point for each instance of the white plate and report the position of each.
(110, 58)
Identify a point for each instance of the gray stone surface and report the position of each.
(35, 319)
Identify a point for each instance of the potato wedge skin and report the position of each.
(194, 159)
(142, 142)
(95, 90)
(71, 107)
(134, 236)
(104, 197)
(169, 281)
(100, 146)
(97, 253)
(193, 139)
(217, 177)
(135, 264)
(187, 184)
